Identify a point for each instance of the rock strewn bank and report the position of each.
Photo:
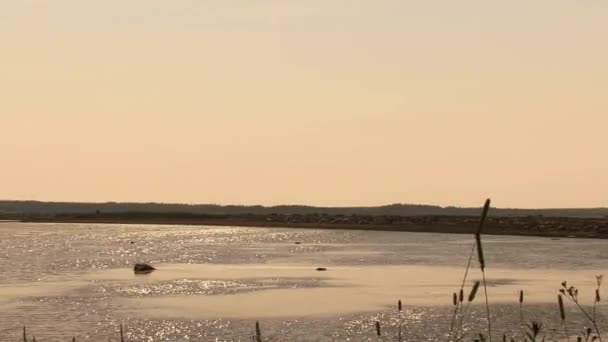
(531, 225)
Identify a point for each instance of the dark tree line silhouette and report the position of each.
(52, 208)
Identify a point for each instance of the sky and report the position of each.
(320, 102)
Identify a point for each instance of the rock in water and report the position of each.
(321, 269)
(141, 268)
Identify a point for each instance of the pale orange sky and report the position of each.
(320, 102)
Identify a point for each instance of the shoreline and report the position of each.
(596, 228)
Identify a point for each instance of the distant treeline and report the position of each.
(55, 208)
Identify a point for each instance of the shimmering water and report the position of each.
(64, 280)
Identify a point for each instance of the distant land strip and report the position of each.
(585, 222)
(554, 227)
(46, 208)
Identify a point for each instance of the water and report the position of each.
(63, 280)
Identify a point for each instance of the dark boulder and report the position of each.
(321, 269)
(141, 268)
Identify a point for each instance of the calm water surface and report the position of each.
(213, 283)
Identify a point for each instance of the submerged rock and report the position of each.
(142, 268)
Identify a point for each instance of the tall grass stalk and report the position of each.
(599, 279)
(258, 332)
(460, 332)
(482, 264)
(521, 315)
(484, 215)
(399, 308)
(454, 315)
(562, 315)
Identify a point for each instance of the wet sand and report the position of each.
(347, 290)
(339, 290)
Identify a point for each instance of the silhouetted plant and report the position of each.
(521, 315)
(476, 245)
(571, 293)
(534, 329)
(258, 332)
